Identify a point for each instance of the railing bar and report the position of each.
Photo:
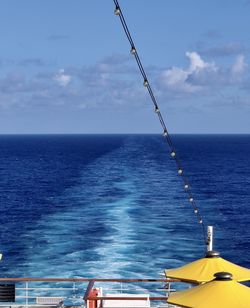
(46, 289)
(55, 305)
(153, 298)
(24, 296)
(29, 305)
(85, 280)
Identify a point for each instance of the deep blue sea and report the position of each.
(114, 206)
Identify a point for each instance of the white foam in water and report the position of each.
(120, 222)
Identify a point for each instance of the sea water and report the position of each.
(114, 206)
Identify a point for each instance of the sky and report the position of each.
(66, 67)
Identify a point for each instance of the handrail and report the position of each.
(112, 298)
(88, 296)
(84, 280)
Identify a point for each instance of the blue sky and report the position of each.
(65, 66)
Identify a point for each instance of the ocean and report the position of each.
(113, 206)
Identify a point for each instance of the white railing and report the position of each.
(50, 292)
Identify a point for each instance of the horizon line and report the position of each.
(36, 134)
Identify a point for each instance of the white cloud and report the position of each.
(176, 79)
(239, 66)
(175, 76)
(112, 82)
(62, 79)
(196, 63)
(179, 79)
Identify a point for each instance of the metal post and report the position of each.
(210, 238)
(74, 290)
(26, 294)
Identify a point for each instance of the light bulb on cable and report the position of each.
(132, 50)
(117, 11)
(173, 154)
(165, 133)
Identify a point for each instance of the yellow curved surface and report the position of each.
(203, 270)
(213, 294)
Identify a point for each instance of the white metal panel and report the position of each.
(145, 303)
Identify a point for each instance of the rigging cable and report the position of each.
(166, 134)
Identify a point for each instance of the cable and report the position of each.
(166, 134)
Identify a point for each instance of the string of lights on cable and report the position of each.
(166, 134)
